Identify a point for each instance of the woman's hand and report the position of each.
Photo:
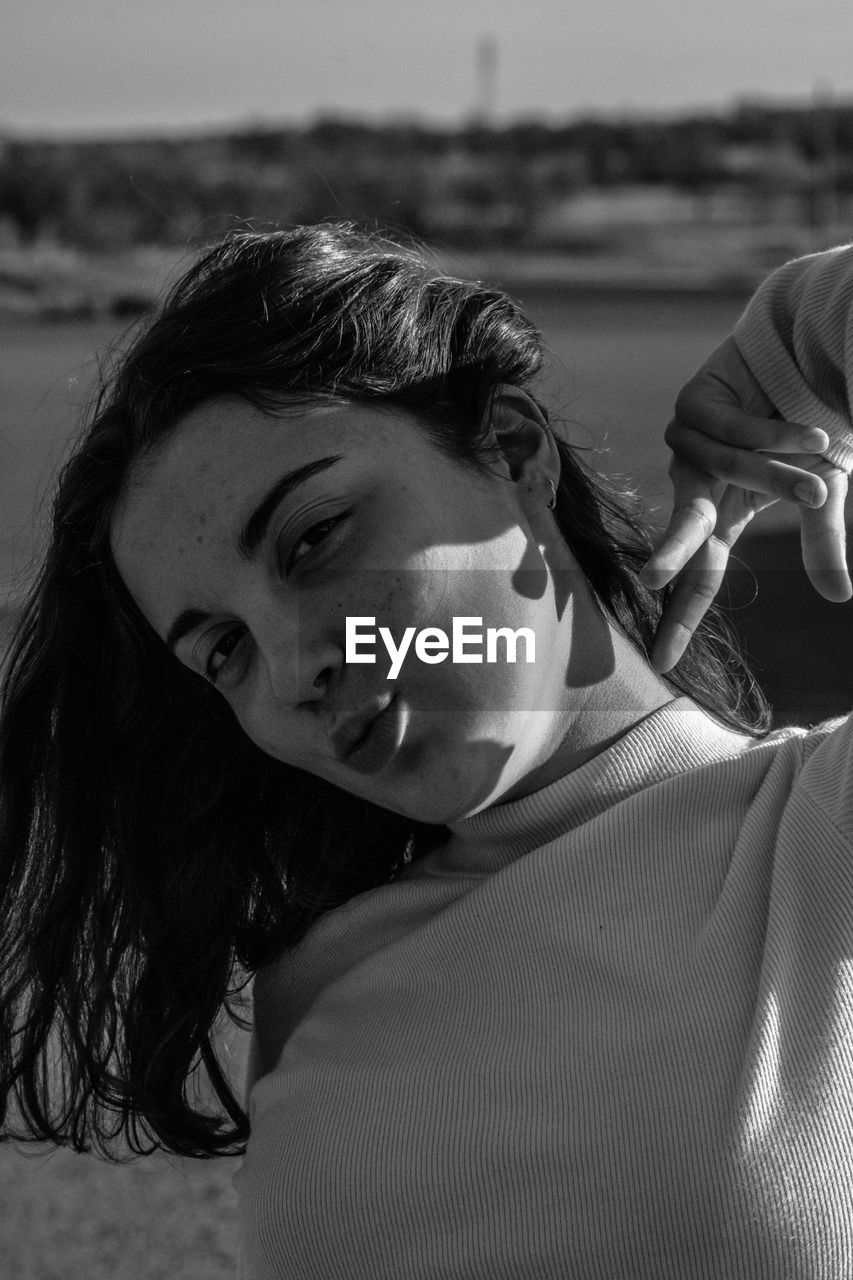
(731, 459)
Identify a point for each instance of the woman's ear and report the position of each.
(522, 436)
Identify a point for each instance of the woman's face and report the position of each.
(248, 542)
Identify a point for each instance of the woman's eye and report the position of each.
(221, 652)
(312, 538)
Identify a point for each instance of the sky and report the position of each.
(108, 66)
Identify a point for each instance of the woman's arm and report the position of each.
(767, 417)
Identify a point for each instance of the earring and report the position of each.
(552, 501)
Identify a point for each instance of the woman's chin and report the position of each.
(440, 785)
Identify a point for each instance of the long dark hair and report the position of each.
(151, 856)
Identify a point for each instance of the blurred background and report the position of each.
(628, 172)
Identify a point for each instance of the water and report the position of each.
(47, 374)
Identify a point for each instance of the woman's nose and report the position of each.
(300, 663)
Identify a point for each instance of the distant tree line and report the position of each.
(471, 186)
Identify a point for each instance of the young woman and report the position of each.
(552, 957)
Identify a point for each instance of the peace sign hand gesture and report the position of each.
(731, 459)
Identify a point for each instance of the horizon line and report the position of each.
(406, 119)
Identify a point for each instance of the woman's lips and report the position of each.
(379, 742)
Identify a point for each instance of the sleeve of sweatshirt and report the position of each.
(796, 335)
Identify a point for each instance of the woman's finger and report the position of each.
(728, 425)
(701, 580)
(823, 538)
(693, 595)
(694, 517)
(755, 472)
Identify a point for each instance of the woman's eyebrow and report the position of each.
(252, 535)
(254, 531)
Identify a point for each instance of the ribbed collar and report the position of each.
(677, 737)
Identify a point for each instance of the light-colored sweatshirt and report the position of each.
(796, 335)
(606, 1033)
